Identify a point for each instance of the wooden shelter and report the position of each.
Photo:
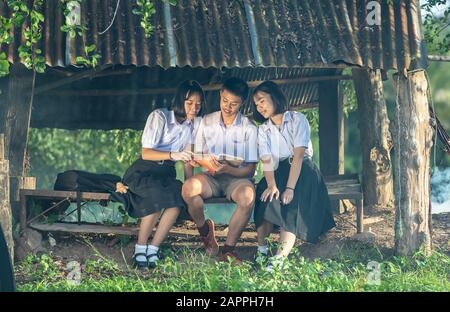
(302, 45)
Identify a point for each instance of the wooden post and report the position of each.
(412, 144)
(5, 208)
(331, 132)
(376, 141)
(15, 122)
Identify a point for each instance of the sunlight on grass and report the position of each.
(187, 270)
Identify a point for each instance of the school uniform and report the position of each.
(309, 214)
(152, 185)
(238, 139)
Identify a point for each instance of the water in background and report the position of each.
(440, 190)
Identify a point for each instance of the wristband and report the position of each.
(290, 188)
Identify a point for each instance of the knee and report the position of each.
(191, 188)
(245, 198)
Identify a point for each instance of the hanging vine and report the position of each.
(146, 9)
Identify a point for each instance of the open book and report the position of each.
(211, 162)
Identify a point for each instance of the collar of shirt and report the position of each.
(237, 121)
(171, 119)
(284, 121)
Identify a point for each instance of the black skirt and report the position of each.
(309, 214)
(152, 187)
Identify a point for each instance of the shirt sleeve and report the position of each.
(251, 153)
(196, 126)
(153, 130)
(301, 130)
(263, 143)
(199, 138)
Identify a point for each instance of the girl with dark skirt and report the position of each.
(292, 194)
(149, 185)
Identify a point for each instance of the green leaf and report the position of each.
(4, 68)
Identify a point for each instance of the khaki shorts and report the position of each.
(225, 184)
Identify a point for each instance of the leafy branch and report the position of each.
(146, 9)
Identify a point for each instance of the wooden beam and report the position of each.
(413, 139)
(376, 142)
(68, 80)
(14, 122)
(210, 87)
(329, 132)
(329, 127)
(5, 208)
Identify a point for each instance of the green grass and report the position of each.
(187, 270)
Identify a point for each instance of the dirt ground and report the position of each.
(381, 238)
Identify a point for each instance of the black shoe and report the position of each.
(140, 264)
(152, 263)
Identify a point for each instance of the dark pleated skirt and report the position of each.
(309, 214)
(152, 187)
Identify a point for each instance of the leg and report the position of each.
(360, 216)
(244, 197)
(194, 191)
(287, 241)
(166, 222)
(146, 227)
(264, 231)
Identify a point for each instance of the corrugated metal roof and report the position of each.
(239, 33)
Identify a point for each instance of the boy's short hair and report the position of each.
(236, 86)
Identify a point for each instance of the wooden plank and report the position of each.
(120, 230)
(50, 194)
(61, 82)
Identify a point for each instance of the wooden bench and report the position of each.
(339, 187)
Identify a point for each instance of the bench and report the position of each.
(339, 187)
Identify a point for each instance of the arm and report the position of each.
(272, 190)
(294, 174)
(152, 154)
(247, 171)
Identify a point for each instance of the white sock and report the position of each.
(263, 249)
(152, 250)
(140, 249)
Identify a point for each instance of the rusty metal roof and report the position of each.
(239, 33)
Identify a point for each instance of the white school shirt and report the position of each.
(280, 143)
(239, 139)
(162, 131)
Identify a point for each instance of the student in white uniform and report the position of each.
(150, 185)
(292, 194)
(225, 132)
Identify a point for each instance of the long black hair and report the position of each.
(184, 91)
(278, 98)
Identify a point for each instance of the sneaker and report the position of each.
(230, 257)
(209, 241)
(275, 263)
(261, 259)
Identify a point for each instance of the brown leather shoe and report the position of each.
(210, 242)
(230, 257)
